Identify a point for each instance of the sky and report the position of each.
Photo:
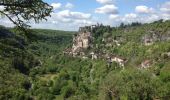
(71, 14)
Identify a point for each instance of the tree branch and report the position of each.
(23, 5)
(23, 29)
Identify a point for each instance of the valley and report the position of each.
(130, 62)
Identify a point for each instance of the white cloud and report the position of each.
(79, 15)
(61, 20)
(5, 22)
(151, 18)
(83, 22)
(69, 17)
(64, 13)
(131, 16)
(70, 20)
(128, 18)
(144, 10)
(69, 5)
(1, 8)
(56, 5)
(166, 16)
(62, 17)
(72, 15)
(107, 9)
(114, 17)
(105, 1)
(165, 7)
(165, 10)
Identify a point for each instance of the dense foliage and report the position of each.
(39, 70)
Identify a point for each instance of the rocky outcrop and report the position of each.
(117, 59)
(152, 37)
(146, 64)
(166, 55)
(81, 41)
(149, 39)
(94, 55)
(84, 40)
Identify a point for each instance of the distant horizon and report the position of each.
(43, 28)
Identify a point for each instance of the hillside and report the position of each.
(19, 56)
(129, 62)
(133, 44)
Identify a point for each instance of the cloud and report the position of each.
(64, 13)
(114, 17)
(105, 1)
(69, 5)
(165, 7)
(73, 15)
(83, 22)
(56, 5)
(128, 18)
(131, 16)
(5, 22)
(144, 10)
(107, 9)
(166, 16)
(70, 20)
(60, 20)
(66, 19)
(79, 15)
(1, 8)
(165, 10)
(151, 18)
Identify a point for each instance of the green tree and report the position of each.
(20, 11)
(130, 85)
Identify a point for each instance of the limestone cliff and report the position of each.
(81, 41)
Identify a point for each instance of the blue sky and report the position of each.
(71, 14)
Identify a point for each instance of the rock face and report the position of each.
(152, 37)
(117, 59)
(82, 41)
(93, 55)
(146, 64)
(149, 39)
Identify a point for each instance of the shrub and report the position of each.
(131, 84)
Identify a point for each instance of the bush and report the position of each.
(165, 74)
(68, 90)
(130, 84)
